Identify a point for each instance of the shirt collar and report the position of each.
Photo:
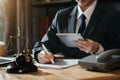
(88, 12)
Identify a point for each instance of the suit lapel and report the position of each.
(72, 21)
(91, 25)
(93, 21)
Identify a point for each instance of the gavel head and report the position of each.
(24, 58)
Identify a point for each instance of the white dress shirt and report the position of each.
(88, 12)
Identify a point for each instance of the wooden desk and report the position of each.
(71, 73)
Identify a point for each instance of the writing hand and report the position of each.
(87, 45)
(45, 58)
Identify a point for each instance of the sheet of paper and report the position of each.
(69, 38)
(59, 63)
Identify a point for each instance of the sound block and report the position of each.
(14, 68)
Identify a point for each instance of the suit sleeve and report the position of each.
(49, 39)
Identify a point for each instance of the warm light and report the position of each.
(1, 1)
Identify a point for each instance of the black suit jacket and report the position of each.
(103, 27)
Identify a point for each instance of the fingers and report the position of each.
(44, 58)
(82, 44)
(89, 46)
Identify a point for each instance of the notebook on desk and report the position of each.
(59, 63)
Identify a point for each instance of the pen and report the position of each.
(47, 52)
(90, 53)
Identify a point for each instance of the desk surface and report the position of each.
(71, 73)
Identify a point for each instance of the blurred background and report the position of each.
(33, 17)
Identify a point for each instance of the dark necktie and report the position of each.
(82, 25)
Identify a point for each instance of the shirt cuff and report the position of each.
(101, 49)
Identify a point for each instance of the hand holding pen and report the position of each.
(46, 50)
(45, 56)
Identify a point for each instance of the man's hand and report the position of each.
(87, 45)
(44, 58)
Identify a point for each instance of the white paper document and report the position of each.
(59, 63)
(69, 38)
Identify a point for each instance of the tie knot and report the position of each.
(83, 17)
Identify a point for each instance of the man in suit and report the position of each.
(101, 31)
